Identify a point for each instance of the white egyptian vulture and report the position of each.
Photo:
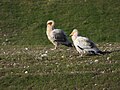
(83, 44)
(56, 36)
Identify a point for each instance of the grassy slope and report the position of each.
(37, 68)
(24, 21)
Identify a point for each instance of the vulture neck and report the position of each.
(49, 29)
(74, 36)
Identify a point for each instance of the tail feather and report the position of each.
(103, 53)
(98, 53)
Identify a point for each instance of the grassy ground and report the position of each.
(26, 61)
(39, 68)
(24, 21)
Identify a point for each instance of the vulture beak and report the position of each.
(71, 34)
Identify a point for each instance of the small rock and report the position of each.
(110, 44)
(67, 65)
(72, 72)
(108, 58)
(14, 64)
(26, 48)
(6, 40)
(46, 52)
(62, 56)
(95, 84)
(5, 35)
(96, 60)
(102, 71)
(26, 72)
(44, 55)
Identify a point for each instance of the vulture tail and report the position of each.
(103, 53)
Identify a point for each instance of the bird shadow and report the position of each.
(109, 52)
(115, 51)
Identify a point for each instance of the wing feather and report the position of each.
(85, 43)
(58, 35)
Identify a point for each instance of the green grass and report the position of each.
(26, 61)
(39, 68)
(23, 22)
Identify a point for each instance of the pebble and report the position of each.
(26, 72)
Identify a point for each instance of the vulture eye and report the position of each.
(50, 23)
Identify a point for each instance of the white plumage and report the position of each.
(83, 44)
(56, 36)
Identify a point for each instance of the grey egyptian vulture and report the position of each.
(56, 36)
(83, 44)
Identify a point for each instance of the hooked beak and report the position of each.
(71, 34)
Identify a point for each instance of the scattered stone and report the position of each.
(44, 55)
(108, 58)
(26, 48)
(62, 56)
(46, 52)
(26, 72)
(6, 40)
(96, 60)
(95, 84)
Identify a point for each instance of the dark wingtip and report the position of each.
(103, 52)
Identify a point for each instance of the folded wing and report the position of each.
(87, 45)
(60, 37)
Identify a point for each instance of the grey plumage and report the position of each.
(83, 44)
(57, 36)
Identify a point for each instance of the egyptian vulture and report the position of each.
(56, 36)
(83, 44)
